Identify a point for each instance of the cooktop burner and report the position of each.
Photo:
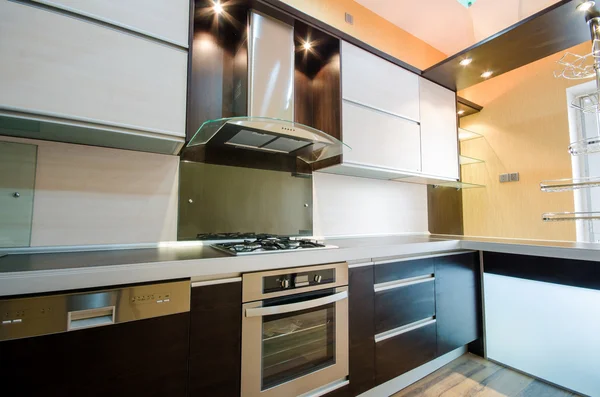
(233, 236)
(268, 244)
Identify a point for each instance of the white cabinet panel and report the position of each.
(379, 139)
(64, 67)
(164, 19)
(439, 132)
(375, 82)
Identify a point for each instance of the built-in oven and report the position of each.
(295, 331)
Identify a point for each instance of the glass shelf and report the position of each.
(570, 216)
(459, 185)
(466, 135)
(269, 135)
(466, 160)
(588, 103)
(565, 185)
(585, 146)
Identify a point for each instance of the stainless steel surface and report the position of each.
(256, 314)
(271, 68)
(27, 317)
(215, 282)
(294, 307)
(404, 329)
(403, 283)
(252, 283)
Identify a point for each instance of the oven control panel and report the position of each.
(298, 280)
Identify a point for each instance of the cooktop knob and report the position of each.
(285, 283)
(318, 278)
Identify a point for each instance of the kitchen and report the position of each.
(145, 180)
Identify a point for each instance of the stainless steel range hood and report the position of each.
(269, 126)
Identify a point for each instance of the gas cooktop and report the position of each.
(269, 244)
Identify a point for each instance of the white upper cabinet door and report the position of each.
(379, 139)
(377, 83)
(167, 20)
(63, 67)
(439, 132)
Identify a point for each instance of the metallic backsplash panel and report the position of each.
(228, 199)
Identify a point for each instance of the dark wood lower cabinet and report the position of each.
(215, 340)
(404, 305)
(361, 333)
(401, 353)
(139, 358)
(457, 300)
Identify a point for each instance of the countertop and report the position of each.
(28, 273)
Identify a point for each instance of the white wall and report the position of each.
(93, 195)
(345, 205)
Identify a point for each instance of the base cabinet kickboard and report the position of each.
(419, 310)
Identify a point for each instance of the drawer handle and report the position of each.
(404, 329)
(90, 318)
(405, 282)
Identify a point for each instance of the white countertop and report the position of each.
(45, 272)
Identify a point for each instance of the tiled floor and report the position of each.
(470, 375)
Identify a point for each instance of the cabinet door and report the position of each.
(380, 139)
(439, 132)
(215, 340)
(361, 323)
(67, 68)
(405, 351)
(166, 20)
(138, 358)
(377, 83)
(457, 301)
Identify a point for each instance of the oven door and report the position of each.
(295, 344)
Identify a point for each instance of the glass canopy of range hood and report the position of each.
(269, 135)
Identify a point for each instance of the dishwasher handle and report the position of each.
(90, 318)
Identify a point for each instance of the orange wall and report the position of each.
(372, 29)
(525, 126)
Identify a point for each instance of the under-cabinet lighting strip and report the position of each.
(404, 329)
(405, 282)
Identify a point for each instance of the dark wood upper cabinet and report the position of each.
(215, 340)
(457, 301)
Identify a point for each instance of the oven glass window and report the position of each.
(298, 343)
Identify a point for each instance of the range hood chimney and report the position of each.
(269, 126)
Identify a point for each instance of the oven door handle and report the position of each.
(294, 307)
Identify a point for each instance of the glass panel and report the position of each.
(295, 344)
(466, 135)
(466, 160)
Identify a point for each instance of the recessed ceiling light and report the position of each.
(218, 8)
(466, 61)
(487, 74)
(307, 45)
(460, 112)
(586, 5)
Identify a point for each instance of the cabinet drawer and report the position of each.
(64, 67)
(408, 350)
(375, 82)
(380, 139)
(393, 271)
(404, 305)
(166, 20)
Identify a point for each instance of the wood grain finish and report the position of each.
(361, 333)
(570, 272)
(400, 354)
(215, 340)
(404, 305)
(147, 357)
(403, 269)
(457, 300)
(472, 376)
(551, 30)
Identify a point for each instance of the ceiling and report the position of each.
(450, 27)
